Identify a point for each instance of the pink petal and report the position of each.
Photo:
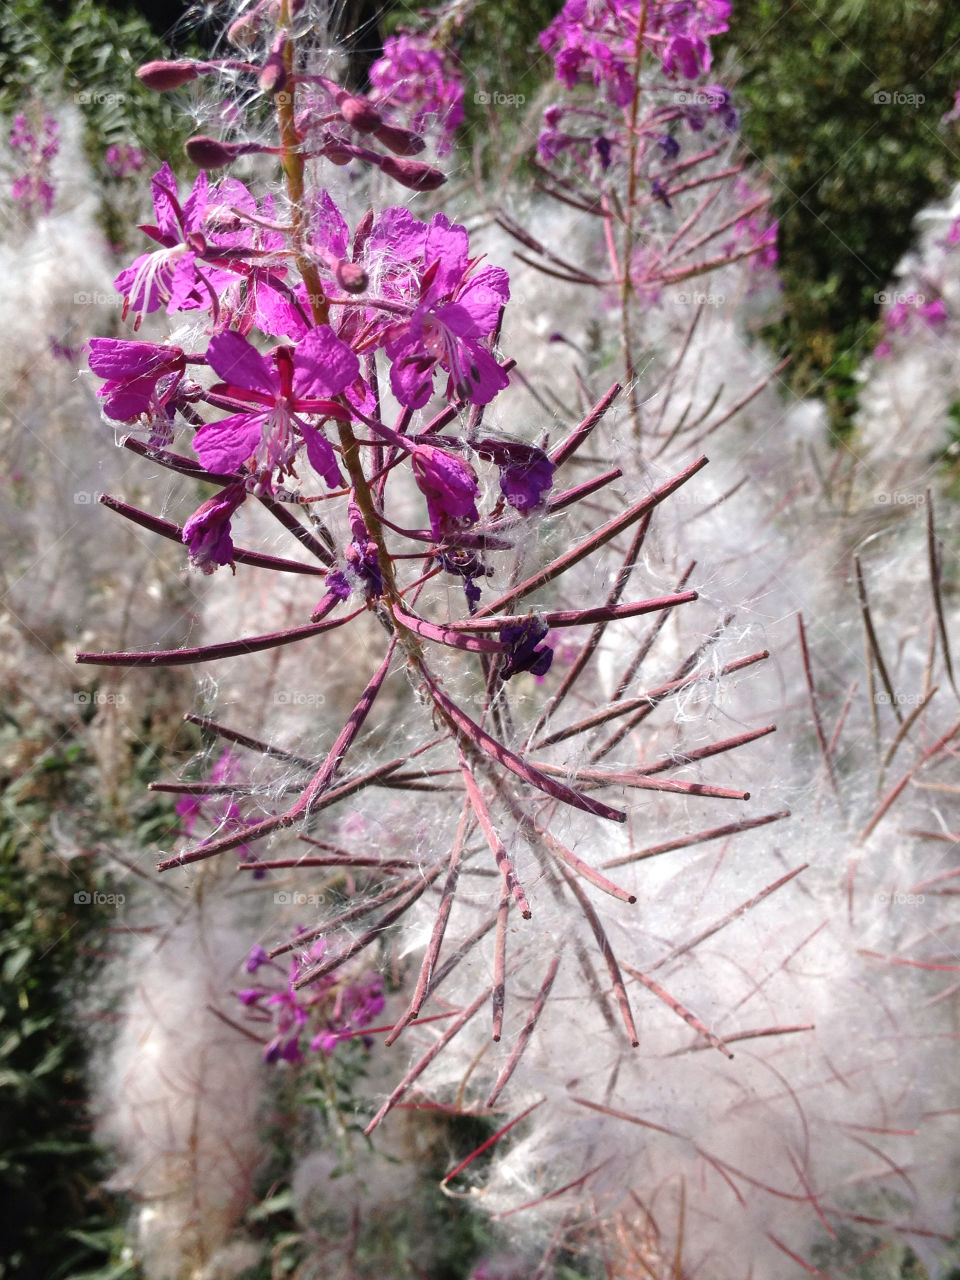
(225, 445)
(238, 362)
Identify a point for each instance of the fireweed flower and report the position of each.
(141, 377)
(415, 75)
(456, 309)
(174, 275)
(123, 160)
(296, 381)
(331, 1011)
(33, 190)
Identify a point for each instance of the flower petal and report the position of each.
(227, 444)
(239, 363)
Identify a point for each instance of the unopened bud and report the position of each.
(273, 74)
(413, 174)
(207, 153)
(351, 277)
(337, 155)
(164, 76)
(359, 113)
(402, 142)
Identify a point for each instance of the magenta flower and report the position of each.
(449, 486)
(142, 377)
(122, 159)
(171, 276)
(414, 74)
(282, 388)
(456, 309)
(207, 532)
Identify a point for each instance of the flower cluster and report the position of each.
(904, 316)
(213, 803)
(123, 160)
(332, 1011)
(422, 78)
(36, 146)
(600, 40)
(653, 157)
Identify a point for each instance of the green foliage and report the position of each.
(850, 172)
(87, 53)
(59, 1223)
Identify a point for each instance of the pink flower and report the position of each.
(293, 382)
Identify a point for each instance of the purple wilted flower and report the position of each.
(669, 146)
(526, 473)
(207, 532)
(602, 146)
(361, 555)
(294, 381)
(449, 486)
(141, 376)
(414, 74)
(522, 640)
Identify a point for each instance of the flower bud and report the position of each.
(164, 76)
(273, 74)
(359, 113)
(207, 153)
(362, 233)
(413, 174)
(351, 277)
(402, 142)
